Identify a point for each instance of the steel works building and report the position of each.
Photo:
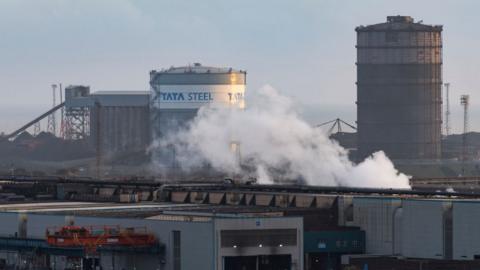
(183, 240)
(243, 227)
(91, 235)
(127, 121)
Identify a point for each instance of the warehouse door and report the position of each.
(322, 261)
(90, 263)
(264, 262)
(241, 263)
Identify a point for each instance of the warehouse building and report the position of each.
(119, 121)
(416, 233)
(115, 121)
(184, 240)
(439, 229)
(235, 226)
(427, 229)
(127, 121)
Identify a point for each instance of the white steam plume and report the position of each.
(275, 143)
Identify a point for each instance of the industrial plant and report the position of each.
(92, 184)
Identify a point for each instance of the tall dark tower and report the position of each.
(399, 82)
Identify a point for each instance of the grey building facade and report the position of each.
(413, 228)
(120, 121)
(191, 241)
(115, 121)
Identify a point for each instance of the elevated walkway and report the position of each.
(41, 246)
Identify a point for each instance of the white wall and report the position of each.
(422, 223)
(376, 217)
(296, 252)
(466, 230)
(404, 227)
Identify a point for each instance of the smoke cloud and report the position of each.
(269, 141)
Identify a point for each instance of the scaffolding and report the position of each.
(76, 123)
(338, 124)
(52, 123)
(76, 113)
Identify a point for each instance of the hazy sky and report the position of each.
(304, 48)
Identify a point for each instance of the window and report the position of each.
(176, 250)
(322, 244)
(255, 238)
(355, 244)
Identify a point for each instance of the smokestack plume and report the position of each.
(273, 144)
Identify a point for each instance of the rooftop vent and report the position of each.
(399, 19)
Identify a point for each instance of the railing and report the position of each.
(40, 245)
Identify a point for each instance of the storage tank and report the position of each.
(399, 78)
(178, 93)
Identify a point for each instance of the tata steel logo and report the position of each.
(235, 97)
(197, 96)
(180, 96)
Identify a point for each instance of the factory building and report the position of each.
(416, 228)
(115, 121)
(125, 121)
(183, 240)
(399, 78)
(400, 231)
(119, 121)
(226, 226)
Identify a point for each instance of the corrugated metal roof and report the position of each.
(184, 218)
(121, 98)
(120, 93)
(83, 206)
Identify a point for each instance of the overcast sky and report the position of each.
(306, 49)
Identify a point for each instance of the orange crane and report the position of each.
(94, 236)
